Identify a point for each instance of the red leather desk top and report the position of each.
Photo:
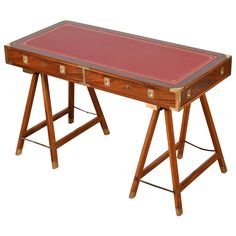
(154, 61)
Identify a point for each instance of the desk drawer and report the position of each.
(132, 89)
(45, 65)
(206, 82)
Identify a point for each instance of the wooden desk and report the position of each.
(164, 75)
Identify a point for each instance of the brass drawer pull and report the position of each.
(222, 71)
(62, 69)
(107, 81)
(189, 93)
(44, 64)
(128, 87)
(150, 93)
(25, 59)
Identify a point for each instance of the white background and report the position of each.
(88, 194)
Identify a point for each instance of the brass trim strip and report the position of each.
(177, 92)
(152, 106)
(84, 74)
(35, 142)
(107, 81)
(157, 186)
(25, 59)
(178, 89)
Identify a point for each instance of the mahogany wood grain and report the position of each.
(189, 179)
(158, 161)
(213, 132)
(173, 162)
(183, 131)
(144, 153)
(65, 47)
(129, 88)
(169, 94)
(43, 64)
(71, 101)
(171, 97)
(77, 132)
(98, 110)
(42, 124)
(49, 118)
(27, 112)
(206, 82)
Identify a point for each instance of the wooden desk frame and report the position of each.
(53, 144)
(159, 95)
(141, 171)
(178, 147)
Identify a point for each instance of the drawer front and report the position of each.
(136, 90)
(44, 65)
(194, 90)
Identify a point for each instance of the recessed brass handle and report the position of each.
(62, 69)
(189, 93)
(25, 59)
(44, 64)
(107, 81)
(222, 71)
(128, 87)
(150, 93)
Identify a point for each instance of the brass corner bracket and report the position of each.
(177, 92)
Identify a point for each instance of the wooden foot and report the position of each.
(212, 130)
(179, 211)
(144, 153)
(132, 194)
(173, 161)
(183, 131)
(223, 169)
(106, 131)
(27, 112)
(71, 99)
(98, 110)
(71, 120)
(18, 152)
(49, 119)
(54, 165)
